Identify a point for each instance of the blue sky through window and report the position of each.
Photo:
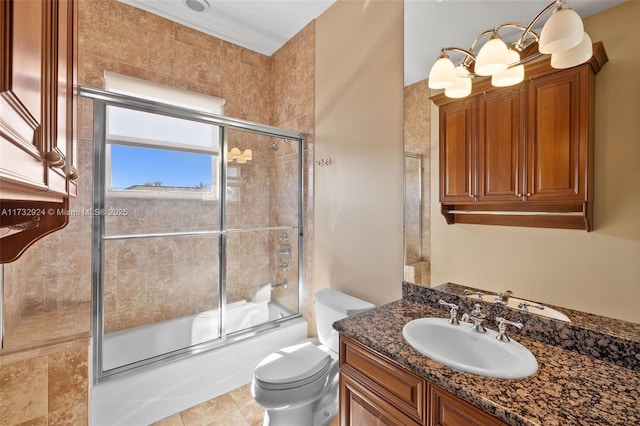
(137, 166)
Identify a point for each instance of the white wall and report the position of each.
(358, 223)
(597, 272)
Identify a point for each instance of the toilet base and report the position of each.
(300, 416)
(317, 413)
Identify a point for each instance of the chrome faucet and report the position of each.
(476, 317)
(453, 313)
(503, 298)
(502, 328)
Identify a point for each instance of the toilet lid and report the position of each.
(294, 365)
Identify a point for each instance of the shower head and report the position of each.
(274, 145)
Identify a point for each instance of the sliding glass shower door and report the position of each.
(197, 230)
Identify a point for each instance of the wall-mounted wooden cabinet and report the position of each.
(376, 391)
(522, 155)
(37, 119)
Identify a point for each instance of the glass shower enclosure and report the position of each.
(197, 230)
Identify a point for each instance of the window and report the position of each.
(152, 155)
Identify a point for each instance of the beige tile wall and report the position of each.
(293, 79)
(47, 389)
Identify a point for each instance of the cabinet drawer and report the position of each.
(401, 388)
(448, 410)
(360, 406)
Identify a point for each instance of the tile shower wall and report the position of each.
(417, 140)
(293, 85)
(54, 275)
(116, 37)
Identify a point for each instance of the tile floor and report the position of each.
(235, 408)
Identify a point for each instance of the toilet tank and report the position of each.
(331, 306)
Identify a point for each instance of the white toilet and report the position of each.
(298, 385)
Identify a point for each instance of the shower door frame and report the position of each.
(102, 99)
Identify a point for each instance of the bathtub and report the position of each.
(151, 394)
(167, 336)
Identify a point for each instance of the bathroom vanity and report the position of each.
(375, 391)
(585, 376)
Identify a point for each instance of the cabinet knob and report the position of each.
(52, 157)
(529, 194)
(73, 175)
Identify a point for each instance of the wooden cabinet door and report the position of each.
(23, 108)
(458, 152)
(63, 139)
(360, 406)
(501, 128)
(59, 96)
(37, 78)
(448, 410)
(557, 137)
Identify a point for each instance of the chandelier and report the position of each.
(562, 36)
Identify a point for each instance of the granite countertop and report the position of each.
(569, 388)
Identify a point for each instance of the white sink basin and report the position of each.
(514, 302)
(462, 349)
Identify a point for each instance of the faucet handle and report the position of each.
(477, 293)
(453, 319)
(502, 328)
(524, 305)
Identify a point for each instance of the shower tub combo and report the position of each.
(193, 283)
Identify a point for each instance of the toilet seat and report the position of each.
(292, 367)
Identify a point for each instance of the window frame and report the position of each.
(156, 92)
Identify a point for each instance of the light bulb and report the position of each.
(512, 75)
(462, 85)
(234, 153)
(562, 31)
(442, 74)
(574, 56)
(492, 57)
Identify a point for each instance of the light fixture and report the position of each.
(239, 156)
(514, 74)
(442, 73)
(462, 84)
(562, 36)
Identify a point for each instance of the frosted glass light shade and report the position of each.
(461, 86)
(442, 74)
(562, 31)
(233, 154)
(492, 57)
(574, 56)
(512, 75)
